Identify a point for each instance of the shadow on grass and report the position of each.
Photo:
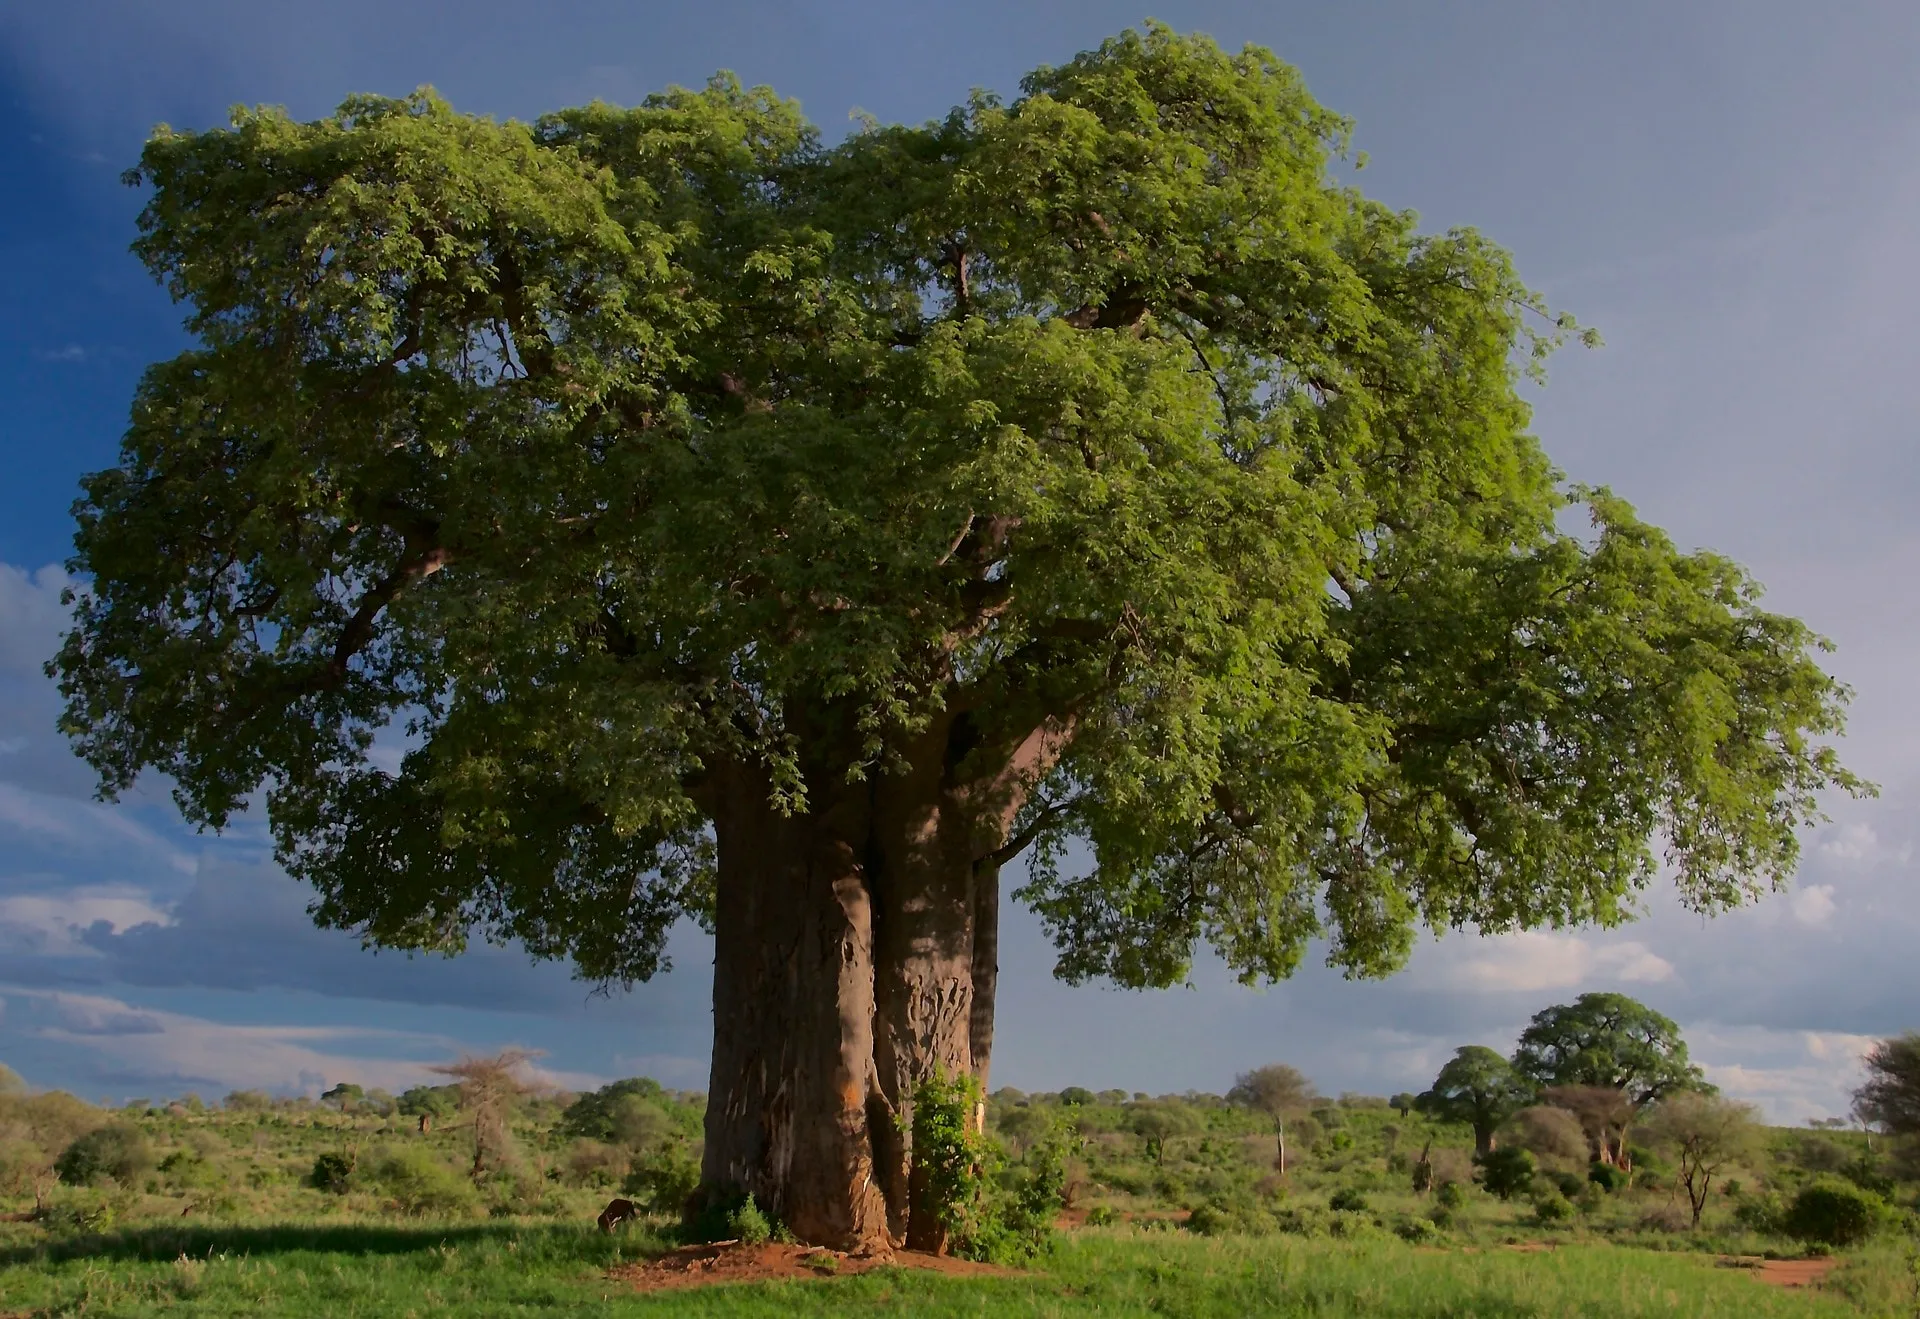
(169, 1242)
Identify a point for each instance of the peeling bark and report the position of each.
(856, 953)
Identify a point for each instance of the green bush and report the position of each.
(1417, 1231)
(332, 1173)
(1450, 1195)
(1834, 1213)
(748, 1225)
(117, 1150)
(1507, 1171)
(1102, 1216)
(417, 1184)
(1349, 1199)
(1605, 1176)
(1550, 1206)
(1761, 1213)
(663, 1181)
(990, 1212)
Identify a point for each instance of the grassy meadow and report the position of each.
(277, 1207)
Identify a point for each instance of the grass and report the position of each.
(515, 1268)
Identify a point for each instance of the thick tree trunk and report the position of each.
(792, 1107)
(856, 954)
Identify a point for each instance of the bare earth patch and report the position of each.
(1787, 1272)
(730, 1261)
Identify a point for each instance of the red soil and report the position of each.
(1794, 1272)
(730, 1261)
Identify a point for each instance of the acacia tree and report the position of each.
(1280, 1092)
(1478, 1088)
(722, 523)
(1605, 1058)
(1706, 1133)
(1889, 1097)
(489, 1087)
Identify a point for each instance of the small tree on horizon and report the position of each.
(1280, 1092)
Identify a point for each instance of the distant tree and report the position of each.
(1607, 1042)
(1477, 1088)
(1280, 1092)
(430, 1104)
(1890, 1096)
(247, 1101)
(1552, 1135)
(10, 1082)
(1157, 1122)
(1075, 1096)
(346, 1097)
(488, 1088)
(1605, 1115)
(1705, 1134)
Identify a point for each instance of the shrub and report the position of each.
(1348, 1199)
(1003, 1221)
(1834, 1213)
(1451, 1195)
(748, 1225)
(1075, 1096)
(1102, 1216)
(592, 1163)
(1666, 1218)
(1550, 1206)
(663, 1181)
(417, 1184)
(117, 1150)
(1507, 1171)
(332, 1173)
(1570, 1184)
(1760, 1213)
(1605, 1176)
(1417, 1231)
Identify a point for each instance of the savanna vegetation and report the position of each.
(1481, 1195)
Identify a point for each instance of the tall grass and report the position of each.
(519, 1268)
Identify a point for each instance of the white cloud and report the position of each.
(1535, 960)
(1860, 843)
(52, 923)
(170, 1051)
(31, 617)
(72, 352)
(1791, 1075)
(85, 826)
(1814, 904)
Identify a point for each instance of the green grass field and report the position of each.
(370, 1269)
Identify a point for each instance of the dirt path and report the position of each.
(1794, 1272)
(730, 1261)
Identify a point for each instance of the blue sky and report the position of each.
(1726, 190)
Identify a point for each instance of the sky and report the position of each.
(1726, 190)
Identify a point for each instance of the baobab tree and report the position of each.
(721, 523)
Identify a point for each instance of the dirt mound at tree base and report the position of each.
(732, 1261)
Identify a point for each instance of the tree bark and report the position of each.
(855, 954)
(792, 1106)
